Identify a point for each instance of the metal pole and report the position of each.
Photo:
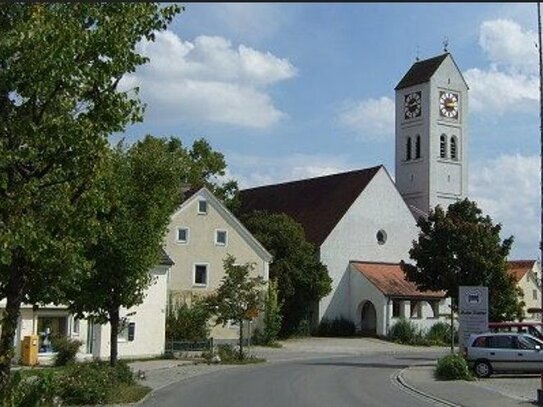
(540, 53)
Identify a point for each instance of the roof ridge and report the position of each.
(315, 178)
(388, 263)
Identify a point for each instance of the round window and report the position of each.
(381, 236)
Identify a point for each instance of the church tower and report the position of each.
(431, 134)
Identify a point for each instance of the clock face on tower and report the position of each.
(412, 105)
(448, 105)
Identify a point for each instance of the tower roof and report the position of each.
(421, 71)
(316, 203)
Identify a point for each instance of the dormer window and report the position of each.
(202, 207)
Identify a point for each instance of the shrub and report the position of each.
(187, 323)
(122, 373)
(337, 327)
(272, 318)
(440, 334)
(30, 391)
(452, 367)
(403, 331)
(65, 348)
(86, 383)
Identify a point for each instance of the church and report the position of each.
(363, 222)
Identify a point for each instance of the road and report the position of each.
(333, 381)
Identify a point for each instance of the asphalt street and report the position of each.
(339, 382)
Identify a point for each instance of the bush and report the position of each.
(337, 327)
(187, 323)
(30, 391)
(440, 334)
(404, 331)
(122, 373)
(229, 355)
(272, 318)
(86, 383)
(452, 367)
(65, 348)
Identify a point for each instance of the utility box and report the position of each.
(30, 350)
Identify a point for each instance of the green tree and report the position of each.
(301, 278)
(60, 66)
(464, 247)
(238, 298)
(142, 189)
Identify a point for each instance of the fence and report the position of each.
(186, 346)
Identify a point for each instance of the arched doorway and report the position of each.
(368, 319)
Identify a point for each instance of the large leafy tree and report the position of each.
(301, 278)
(463, 247)
(238, 298)
(60, 66)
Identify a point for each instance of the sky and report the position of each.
(291, 91)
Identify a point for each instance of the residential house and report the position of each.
(527, 274)
(202, 233)
(142, 334)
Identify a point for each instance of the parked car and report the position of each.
(489, 353)
(531, 328)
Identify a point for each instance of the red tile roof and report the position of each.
(316, 203)
(390, 279)
(519, 268)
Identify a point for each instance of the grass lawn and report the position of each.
(128, 393)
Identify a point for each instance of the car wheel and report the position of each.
(483, 368)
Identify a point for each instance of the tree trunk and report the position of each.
(114, 333)
(14, 295)
(241, 339)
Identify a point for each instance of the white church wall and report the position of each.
(363, 290)
(379, 207)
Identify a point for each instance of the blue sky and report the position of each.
(289, 91)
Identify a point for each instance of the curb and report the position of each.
(398, 379)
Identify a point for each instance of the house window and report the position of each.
(395, 309)
(408, 149)
(182, 235)
(127, 331)
(202, 207)
(200, 274)
(221, 237)
(443, 146)
(417, 146)
(381, 237)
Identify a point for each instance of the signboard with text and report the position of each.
(472, 312)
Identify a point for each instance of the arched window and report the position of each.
(417, 146)
(454, 148)
(443, 146)
(408, 149)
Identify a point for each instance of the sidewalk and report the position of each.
(459, 392)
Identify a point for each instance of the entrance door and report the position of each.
(368, 319)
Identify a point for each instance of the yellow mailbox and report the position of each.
(30, 350)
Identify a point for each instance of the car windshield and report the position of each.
(528, 342)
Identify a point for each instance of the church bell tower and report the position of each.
(431, 134)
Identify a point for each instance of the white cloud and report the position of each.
(370, 119)
(510, 82)
(506, 43)
(507, 188)
(254, 170)
(495, 91)
(210, 80)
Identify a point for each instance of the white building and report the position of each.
(527, 274)
(142, 334)
(363, 223)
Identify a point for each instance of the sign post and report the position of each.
(472, 312)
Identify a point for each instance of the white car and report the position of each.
(504, 352)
